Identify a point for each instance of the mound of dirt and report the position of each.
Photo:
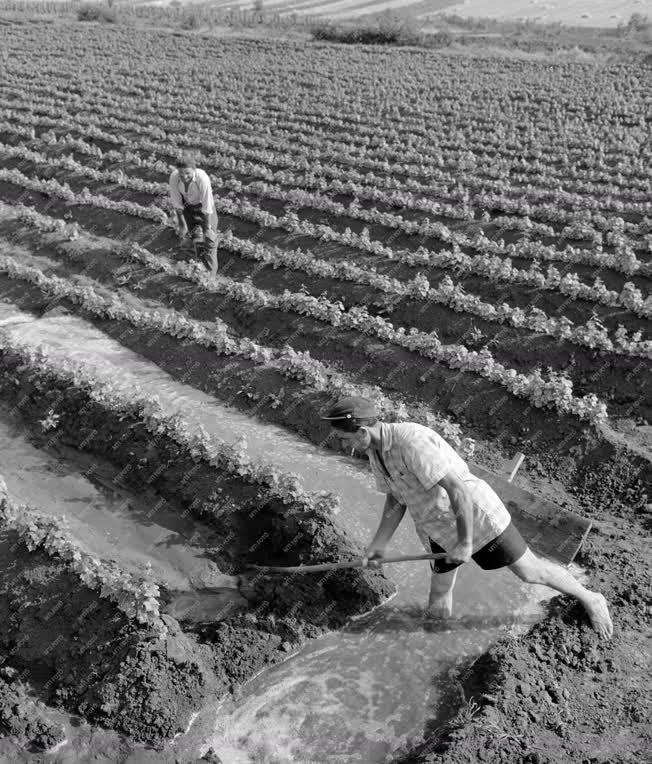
(558, 693)
(77, 651)
(21, 718)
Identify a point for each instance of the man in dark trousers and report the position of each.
(192, 198)
(453, 510)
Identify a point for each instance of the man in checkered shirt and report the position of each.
(453, 510)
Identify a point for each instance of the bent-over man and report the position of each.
(192, 198)
(453, 510)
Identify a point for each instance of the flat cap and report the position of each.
(352, 407)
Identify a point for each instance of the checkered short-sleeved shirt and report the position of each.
(415, 459)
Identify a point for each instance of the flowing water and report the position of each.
(352, 696)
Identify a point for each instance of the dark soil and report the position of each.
(561, 653)
(78, 651)
(618, 380)
(558, 694)
(518, 295)
(22, 718)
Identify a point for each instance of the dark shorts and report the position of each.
(194, 219)
(205, 242)
(498, 553)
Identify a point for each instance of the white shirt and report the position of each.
(198, 191)
(416, 458)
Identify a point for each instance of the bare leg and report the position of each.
(534, 570)
(440, 602)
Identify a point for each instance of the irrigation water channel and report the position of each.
(355, 695)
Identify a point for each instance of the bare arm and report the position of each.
(462, 506)
(393, 513)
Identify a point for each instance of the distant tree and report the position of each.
(190, 21)
(96, 12)
(638, 22)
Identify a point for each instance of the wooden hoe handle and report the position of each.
(349, 564)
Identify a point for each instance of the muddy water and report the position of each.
(110, 522)
(352, 696)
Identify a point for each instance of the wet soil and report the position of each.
(557, 653)
(571, 454)
(78, 651)
(23, 719)
(558, 693)
(104, 668)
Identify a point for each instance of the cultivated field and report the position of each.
(589, 13)
(466, 241)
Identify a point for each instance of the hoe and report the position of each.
(550, 531)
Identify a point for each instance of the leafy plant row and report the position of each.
(363, 141)
(128, 400)
(592, 334)
(408, 194)
(587, 223)
(85, 198)
(136, 596)
(289, 154)
(299, 365)
(555, 392)
(582, 225)
(449, 293)
(493, 267)
(455, 186)
(491, 105)
(624, 260)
